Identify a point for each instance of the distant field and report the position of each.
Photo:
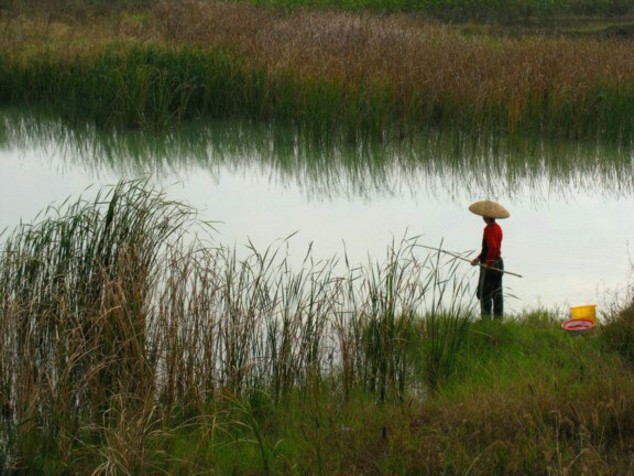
(351, 72)
(532, 13)
(472, 9)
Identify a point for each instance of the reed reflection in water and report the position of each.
(568, 234)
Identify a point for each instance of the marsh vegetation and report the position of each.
(131, 346)
(133, 342)
(384, 76)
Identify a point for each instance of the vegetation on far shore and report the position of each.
(500, 11)
(382, 76)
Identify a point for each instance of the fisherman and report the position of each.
(489, 290)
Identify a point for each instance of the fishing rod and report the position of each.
(459, 256)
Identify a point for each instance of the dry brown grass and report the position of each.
(428, 72)
(407, 50)
(417, 57)
(413, 54)
(528, 434)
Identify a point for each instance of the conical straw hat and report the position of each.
(489, 209)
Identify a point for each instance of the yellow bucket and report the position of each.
(588, 312)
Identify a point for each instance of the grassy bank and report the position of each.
(380, 75)
(130, 346)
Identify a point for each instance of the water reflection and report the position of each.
(568, 236)
(446, 165)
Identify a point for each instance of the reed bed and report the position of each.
(113, 318)
(133, 343)
(385, 75)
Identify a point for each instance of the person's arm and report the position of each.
(483, 252)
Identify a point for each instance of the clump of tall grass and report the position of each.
(617, 332)
(75, 291)
(115, 321)
(400, 72)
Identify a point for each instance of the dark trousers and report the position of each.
(490, 291)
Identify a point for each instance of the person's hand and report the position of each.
(474, 261)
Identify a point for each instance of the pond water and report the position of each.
(571, 204)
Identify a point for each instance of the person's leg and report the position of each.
(497, 295)
(486, 306)
(486, 294)
(498, 303)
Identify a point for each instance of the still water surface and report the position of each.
(572, 205)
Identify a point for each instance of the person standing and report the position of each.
(489, 292)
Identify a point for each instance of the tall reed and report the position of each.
(74, 291)
(117, 320)
(132, 342)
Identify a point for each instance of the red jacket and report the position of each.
(491, 244)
